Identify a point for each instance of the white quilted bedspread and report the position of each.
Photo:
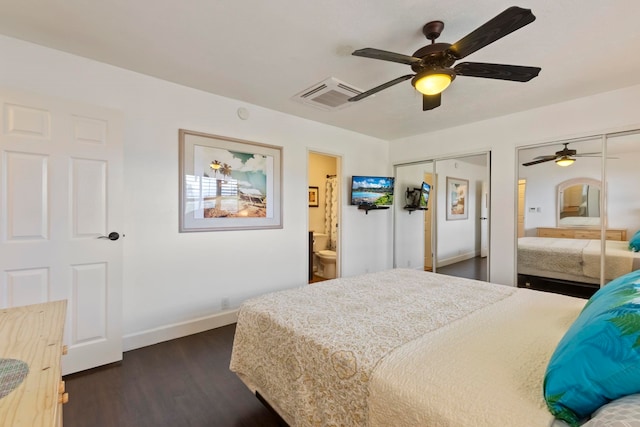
(485, 370)
(312, 351)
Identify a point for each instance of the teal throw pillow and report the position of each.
(634, 243)
(598, 359)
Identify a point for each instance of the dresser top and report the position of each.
(33, 334)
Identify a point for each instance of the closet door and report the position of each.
(463, 216)
(560, 245)
(622, 202)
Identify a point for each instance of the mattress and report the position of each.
(329, 353)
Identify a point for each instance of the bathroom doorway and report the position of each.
(324, 216)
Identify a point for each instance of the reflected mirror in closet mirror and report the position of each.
(579, 203)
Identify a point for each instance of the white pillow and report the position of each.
(623, 412)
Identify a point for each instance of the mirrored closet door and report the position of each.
(622, 202)
(449, 234)
(574, 219)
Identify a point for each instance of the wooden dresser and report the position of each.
(581, 233)
(33, 334)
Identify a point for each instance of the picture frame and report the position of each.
(313, 197)
(228, 183)
(457, 200)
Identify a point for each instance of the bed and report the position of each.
(402, 347)
(576, 260)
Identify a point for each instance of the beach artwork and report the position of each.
(232, 183)
(229, 184)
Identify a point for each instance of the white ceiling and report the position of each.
(264, 52)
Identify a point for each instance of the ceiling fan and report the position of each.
(432, 64)
(564, 157)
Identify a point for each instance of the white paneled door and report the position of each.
(60, 193)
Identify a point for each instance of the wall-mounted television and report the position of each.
(418, 198)
(372, 190)
(424, 196)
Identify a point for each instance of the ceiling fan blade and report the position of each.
(546, 158)
(516, 73)
(592, 155)
(379, 88)
(535, 162)
(588, 155)
(429, 102)
(505, 23)
(369, 52)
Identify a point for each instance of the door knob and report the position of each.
(112, 236)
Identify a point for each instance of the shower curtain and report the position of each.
(331, 211)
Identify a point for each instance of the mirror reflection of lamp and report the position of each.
(215, 166)
(565, 161)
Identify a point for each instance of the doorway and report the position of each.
(324, 216)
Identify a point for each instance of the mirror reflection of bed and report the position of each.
(573, 228)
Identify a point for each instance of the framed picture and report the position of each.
(313, 197)
(228, 183)
(457, 198)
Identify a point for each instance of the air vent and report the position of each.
(329, 95)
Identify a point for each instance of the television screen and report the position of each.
(424, 198)
(372, 190)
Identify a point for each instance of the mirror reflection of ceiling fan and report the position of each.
(564, 157)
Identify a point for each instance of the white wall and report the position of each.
(611, 111)
(171, 277)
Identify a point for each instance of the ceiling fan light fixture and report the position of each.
(565, 161)
(433, 82)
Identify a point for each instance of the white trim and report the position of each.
(178, 330)
(457, 258)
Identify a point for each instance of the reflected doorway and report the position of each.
(428, 227)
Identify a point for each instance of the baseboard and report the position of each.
(458, 258)
(178, 330)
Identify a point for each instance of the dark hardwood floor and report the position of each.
(183, 382)
(473, 268)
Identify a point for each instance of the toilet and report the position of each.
(324, 258)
